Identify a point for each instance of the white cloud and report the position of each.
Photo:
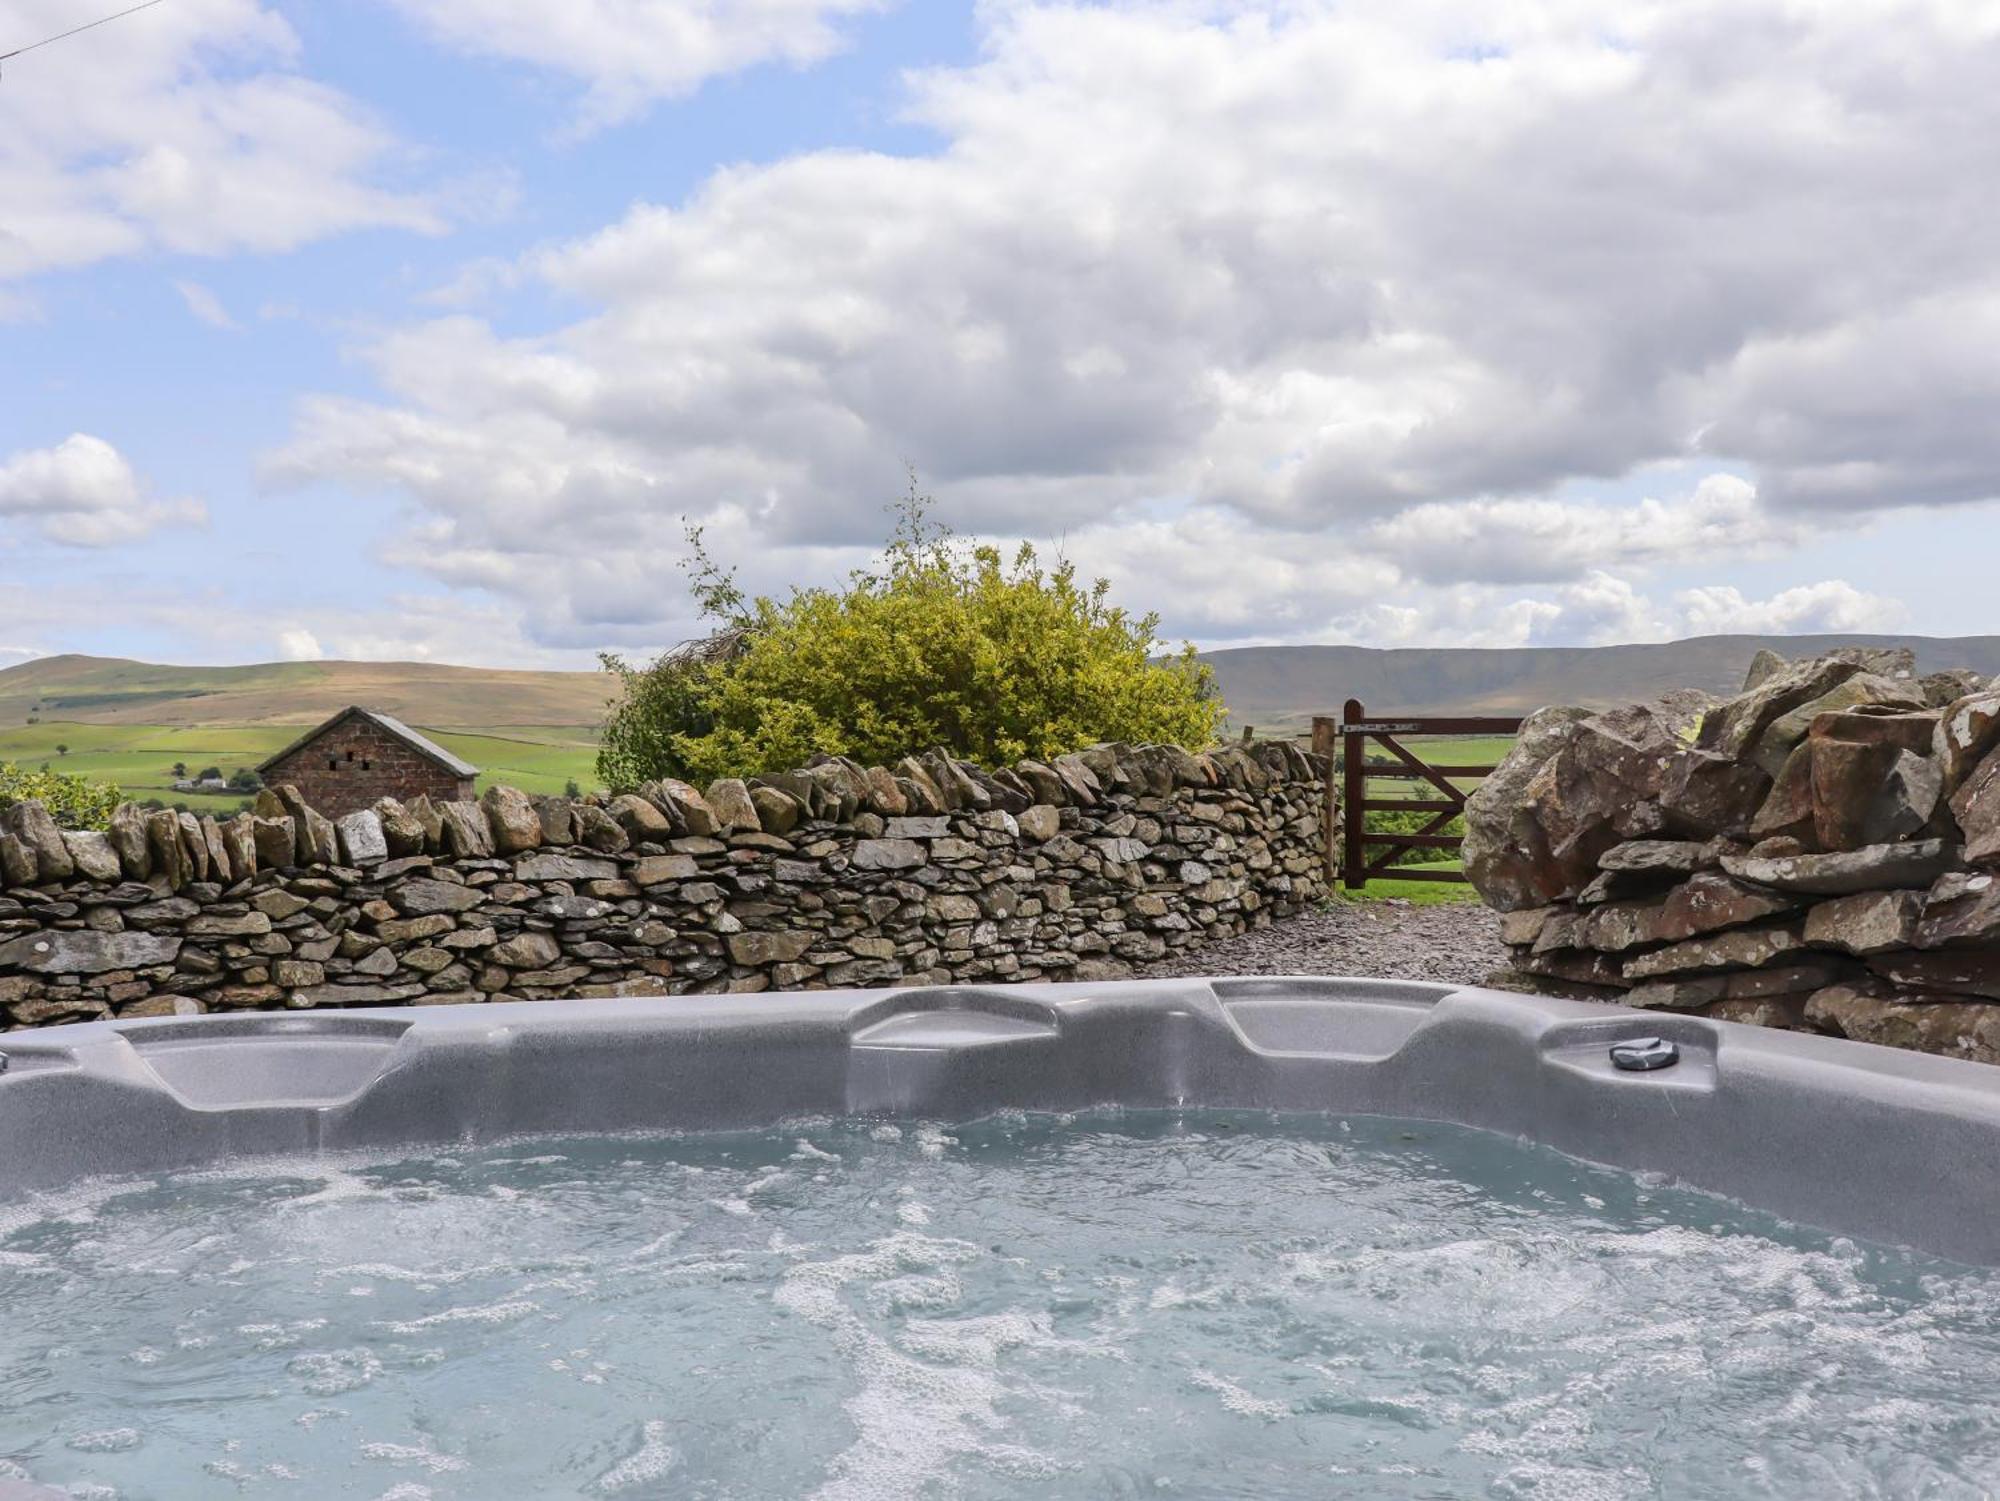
(1363, 283)
(84, 493)
(182, 128)
(631, 52)
(1830, 605)
(1535, 540)
(299, 646)
(205, 305)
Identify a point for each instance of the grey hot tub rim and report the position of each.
(1872, 1142)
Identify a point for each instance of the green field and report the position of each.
(140, 758)
(1447, 750)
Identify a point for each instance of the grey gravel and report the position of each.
(1458, 943)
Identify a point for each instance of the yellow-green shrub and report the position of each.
(74, 802)
(940, 644)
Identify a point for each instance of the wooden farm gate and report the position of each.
(1365, 855)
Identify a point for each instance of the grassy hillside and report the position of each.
(140, 757)
(111, 690)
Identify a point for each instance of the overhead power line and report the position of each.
(86, 26)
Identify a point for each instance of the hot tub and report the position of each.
(1242, 1236)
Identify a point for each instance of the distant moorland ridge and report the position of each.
(1275, 687)
(1271, 687)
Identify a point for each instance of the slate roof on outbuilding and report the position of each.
(419, 743)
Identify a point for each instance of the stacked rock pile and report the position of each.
(836, 874)
(1820, 851)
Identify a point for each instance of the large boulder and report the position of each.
(558, 819)
(596, 828)
(640, 817)
(239, 838)
(688, 809)
(1967, 729)
(402, 831)
(1733, 729)
(730, 803)
(127, 832)
(1574, 786)
(219, 868)
(885, 794)
(171, 865)
(1947, 687)
(425, 812)
(17, 861)
(1505, 853)
(1708, 795)
(92, 854)
(318, 840)
(511, 820)
(1864, 690)
(466, 835)
(1976, 808)
(31, 823)
(193, 844)
(1865, 793)
(777, 812)
(277, 842)
(362, 841)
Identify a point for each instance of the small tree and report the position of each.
(243, 779)
(941, 643)
(180, 770)
(61, 748)
(209, 774)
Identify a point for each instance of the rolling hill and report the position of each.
(1282, 687)
(112, 690)
(539, 725)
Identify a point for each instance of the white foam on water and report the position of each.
(328, 1373)
(491, 1313)
(649, 1462)
(106, 1440)
(915, 1417)
(1235, 1399)
(421, 1455)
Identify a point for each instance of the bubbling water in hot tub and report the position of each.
(1133, 1304)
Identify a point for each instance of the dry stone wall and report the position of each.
(1821, 851)
(836, 874)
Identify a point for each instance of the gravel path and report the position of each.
(1457, 942)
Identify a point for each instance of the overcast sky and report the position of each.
(415, 328)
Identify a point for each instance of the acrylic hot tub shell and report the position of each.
(1891, 1146)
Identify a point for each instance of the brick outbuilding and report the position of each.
(359, 756)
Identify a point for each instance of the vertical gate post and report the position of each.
(1353, 791)
(1326, 743)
